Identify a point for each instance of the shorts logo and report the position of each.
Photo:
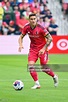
(45, 57)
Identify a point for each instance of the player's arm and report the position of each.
(20, 40)
(49, 40)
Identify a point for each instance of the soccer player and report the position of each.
(40, 40)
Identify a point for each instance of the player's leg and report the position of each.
(32, 58)
(46, 69)
(43, 62)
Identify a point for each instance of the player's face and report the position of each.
(33, 20)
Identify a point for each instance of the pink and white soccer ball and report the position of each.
(18, 85)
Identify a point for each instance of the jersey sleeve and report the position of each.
(44, 31)
(24, 31)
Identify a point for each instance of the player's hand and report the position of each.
(42, 51)
(20, 48)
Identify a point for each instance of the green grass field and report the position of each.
(13, 67)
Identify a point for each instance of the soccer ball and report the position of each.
(18, 85)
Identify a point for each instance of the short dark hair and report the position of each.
(32, 14)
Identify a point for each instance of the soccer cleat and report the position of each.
(36, 87)
(55, 78)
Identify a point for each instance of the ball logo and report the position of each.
(62, 44)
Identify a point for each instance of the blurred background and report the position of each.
(51, 14)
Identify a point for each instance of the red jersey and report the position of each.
(36, 35)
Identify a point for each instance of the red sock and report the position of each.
(33, 73)
(51, 73)
(48, 71)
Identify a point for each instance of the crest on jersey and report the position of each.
(36, 32)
